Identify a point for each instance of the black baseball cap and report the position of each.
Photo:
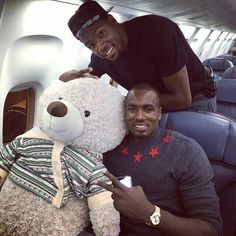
(88, 13)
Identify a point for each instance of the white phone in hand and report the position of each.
(126, 180)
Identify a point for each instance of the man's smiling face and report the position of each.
(104, 39)
(142, 113)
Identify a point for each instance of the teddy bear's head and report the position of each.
(84, 112)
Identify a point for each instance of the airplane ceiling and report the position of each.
(213, 14)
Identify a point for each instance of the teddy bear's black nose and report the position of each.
(57, 109)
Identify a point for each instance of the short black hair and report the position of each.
(146, 87)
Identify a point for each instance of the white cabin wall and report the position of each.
(24, 18)
(36, 46)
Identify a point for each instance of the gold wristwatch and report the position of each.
(154, 219)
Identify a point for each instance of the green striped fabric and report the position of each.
(28, 162)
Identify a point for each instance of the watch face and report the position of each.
(155, 218)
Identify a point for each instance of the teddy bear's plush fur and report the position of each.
(91, 120)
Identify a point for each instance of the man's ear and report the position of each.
(111, 19)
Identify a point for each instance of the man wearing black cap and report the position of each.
(148, 49)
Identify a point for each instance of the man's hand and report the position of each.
(75, 74)
(131, 202)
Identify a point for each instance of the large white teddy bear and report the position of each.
(49, 174)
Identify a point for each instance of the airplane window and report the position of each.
(229, 36)
(223, 35)
(223, 45)
(187, 30)
(199, 38)
(214, 35)
(17, 117)
(209, 44)
(230, 39)
(217, 44)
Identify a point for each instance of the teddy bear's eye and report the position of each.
(60, 98)
(87, 113)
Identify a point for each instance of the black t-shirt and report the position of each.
(156, 48)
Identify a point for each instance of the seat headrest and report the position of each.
(230, 58)
(226, 90)
(230, 73)
(215, 133)
(217, 64)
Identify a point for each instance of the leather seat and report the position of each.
(219, 65)
(217, 136)
(230, 73)
(229, 58)
(226, 97)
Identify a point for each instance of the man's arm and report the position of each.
(177, 98)
(179, 94)
(133, 203)
(174, 225)
(75, 74)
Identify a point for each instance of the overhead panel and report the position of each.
(212, 14)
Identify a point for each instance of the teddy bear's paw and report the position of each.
(4, 230)
(105, 220)
(25, 214)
